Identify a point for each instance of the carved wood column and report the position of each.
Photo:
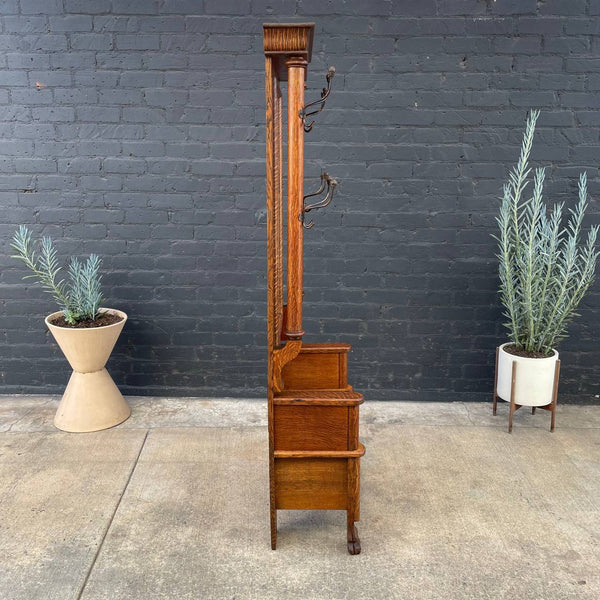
(296, 67)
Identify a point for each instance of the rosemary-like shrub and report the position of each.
(80, 297)
(544, 269)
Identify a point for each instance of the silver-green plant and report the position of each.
(544, 269)
(80, 297)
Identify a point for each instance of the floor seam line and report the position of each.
(111, 519)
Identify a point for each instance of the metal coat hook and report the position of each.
(326, 181)
(321, 102)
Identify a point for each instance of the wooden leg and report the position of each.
(555, 394)
(496, 383)
(353, 506)
(512, 396)
(533, 410)
(352, 536)
(273, 528)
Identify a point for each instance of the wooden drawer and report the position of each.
(306, 427)
(311, 483)
(318, 367)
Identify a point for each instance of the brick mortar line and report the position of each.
(110, 521)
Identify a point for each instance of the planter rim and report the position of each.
(528, 358)
(113, 311)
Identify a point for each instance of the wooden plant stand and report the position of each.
(314, 452)
(551, 407)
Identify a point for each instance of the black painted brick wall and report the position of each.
(144, 142)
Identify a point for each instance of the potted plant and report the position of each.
(85, 333)
(545, 271)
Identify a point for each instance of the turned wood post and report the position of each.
(296, 68)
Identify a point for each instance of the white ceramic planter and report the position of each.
(91, 401)
(534, 384)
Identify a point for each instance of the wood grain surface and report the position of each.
(314, 451)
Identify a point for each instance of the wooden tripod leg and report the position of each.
(555, 395)
(353, 510)
(512, 396)
(496, 383)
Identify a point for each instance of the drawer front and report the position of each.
(311, 484)
(316, 372)
(311, 427)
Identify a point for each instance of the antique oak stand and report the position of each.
(314, 452)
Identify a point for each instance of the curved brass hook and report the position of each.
(331, 184)
(321, 101)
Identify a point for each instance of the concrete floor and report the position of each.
(174, 504)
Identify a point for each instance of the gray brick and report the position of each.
(462, 7)
(552, 26)
(37, 7)
(70, 23)
(188, 150)
(144, 148)
(119, 60)
(583, 65)
(164, 61)
(490, 25)
(227, 7)
(97, 147)
(35, 165)
(516, 81)
(96, 78)
(161, 24)
(9, 7)
(79, 165)
(182, 6)
(165, 97)
(123, 165)
(539, 64)
(188, 42)
(141, 7)
(75, 96)
(37, 42)
(13, 78)
(54, 113)
(35, 131)
(31, 96)
(95, 182)
(584, 26)
(580, 100)
(517, 45)
(470, 44)
(104, 215)
(563, 7)
(511, 7)
(25, 24)
(119, 96)
(566, 45)
(91, 41)
(140, 79)
(144, 115)
(24, 60)
(80, 60)
(139, 215)
(115, 23)
(87, 6)
(49, 78)
(529, 99)
(138, 41)
(43, 148)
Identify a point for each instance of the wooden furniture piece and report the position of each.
(314, 452)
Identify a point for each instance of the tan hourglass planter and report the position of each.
(91, 401)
